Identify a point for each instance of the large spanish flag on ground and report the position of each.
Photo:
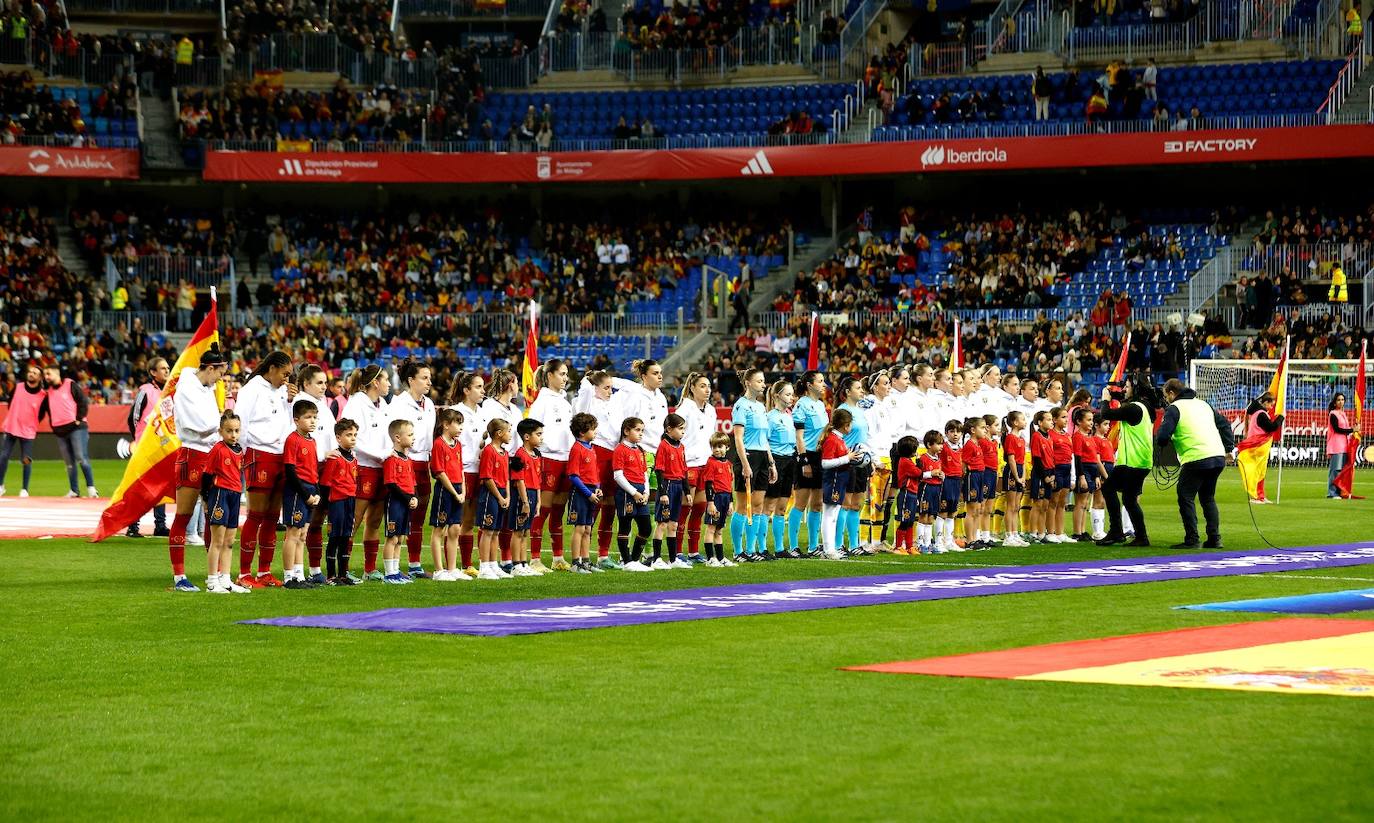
(150, 477)
(531, 364)
(1345, 481)
(1252, 453)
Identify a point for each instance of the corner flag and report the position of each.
(150, 477)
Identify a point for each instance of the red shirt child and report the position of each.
(224, 467)
(630, 460)
(908, 474)
(582, 464)
(929, 465)
(989, 452)
(671, 460)
(718, 476)
(397, 472)
(1041, 450)
(300, 453)
(973, 455)
(1014, 449)
(341, 476)
(1106, 452)
(951, 462)
(532, 469)
(494, 465)
(1084, 448)
(446, 459)
(1061, 448)
(833, 447)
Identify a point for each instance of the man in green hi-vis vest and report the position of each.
(1204, 443)
(1132, 406)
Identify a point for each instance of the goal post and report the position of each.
(1230, 385)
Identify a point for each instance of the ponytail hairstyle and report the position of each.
(461, 383)
(990, 420)
(410, 368)
(692, 378)
(1007, 378)
(306, 373)
(1080, 414)
(597, 378)
(745, 375)
(274, 360)
(213, 357)
(1009, 422)
(360, 379)
(227, 416)
(774, 391)
(443, 418)
(541, 374)
(970, 424)
(502, 381)
(845, 384)
(839, 419)
(872, 379)
(1043, 414)
(627, 424)
(804, 385)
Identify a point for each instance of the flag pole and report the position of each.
(1278, 493)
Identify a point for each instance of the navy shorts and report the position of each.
(397, 515)
(1063, 476)
(341, 517)
(581, 510)
(490, 514)
(1092, 479)
(973, 486)
(522, 522)
(295, 512)
(722, 501)
(929, 505)
(1010, 483)
(444, 509)
(834, 486)
(222, 507)
(625, 505)
(908, 507)
(989, 483)
(670, 513)
(1038, 489)
(1107, 467)
(950, 495)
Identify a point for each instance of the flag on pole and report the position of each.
(1252, 453)
(813, 355)
(150, 477)
(956, 352)
(530, 390)
(1119, 374)
(1345, 481)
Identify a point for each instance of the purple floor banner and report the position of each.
(600, 611)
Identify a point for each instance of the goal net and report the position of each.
(1230, 385)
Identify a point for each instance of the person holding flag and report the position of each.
(1338, 434)
(168, 460)
(1132, 421)
(1263, 427)
(1345, 478)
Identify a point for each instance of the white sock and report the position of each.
(1099, 516)
(178, 577)
(299, 571)
(314, 570)
(389, 567)
(922, 534)
(1126, 521)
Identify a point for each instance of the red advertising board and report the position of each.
(53, 161)
(849, 159)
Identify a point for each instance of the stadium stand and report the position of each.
(78, 116)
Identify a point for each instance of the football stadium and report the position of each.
(663, 409)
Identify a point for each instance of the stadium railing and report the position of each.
(86, 140)
(202, 272)
(142, 6)
(949, 131)
(451, 9)
(1346, 81)
(1232, 262)
(154, 322)
(499, 324)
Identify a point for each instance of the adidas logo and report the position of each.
(291, 168)
(933, 156)
(757, 165)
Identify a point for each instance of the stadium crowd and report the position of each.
(30, 109)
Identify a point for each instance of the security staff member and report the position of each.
(1134, 457)
(1203, 440)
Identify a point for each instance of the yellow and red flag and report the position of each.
(813, 355)
(1252, 453)
(1345, 481)
(527, 385)
(1119, 374)
(150, 477)
(956, 351)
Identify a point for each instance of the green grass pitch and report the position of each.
(125, 701)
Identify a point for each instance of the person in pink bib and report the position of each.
(66, 407)
(21, 425)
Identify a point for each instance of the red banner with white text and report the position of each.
(847, 159)
(52, 161)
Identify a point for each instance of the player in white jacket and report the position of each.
(701, 421)
(264, 405)
(368, 390)
(312, 382)
(414, 405)
(594, 397)
(500, 405)
(551, 408)
(465, 395)
(882, 435)
(196, 413)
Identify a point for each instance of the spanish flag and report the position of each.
(150, 477)
(1252, 453)
(1345, 481)
(956, 352)
(1119, 374)
(527, 385)
(813, 354)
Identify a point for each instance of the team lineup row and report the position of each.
(943, 451)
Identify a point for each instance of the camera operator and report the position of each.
(1134, 458)
(1204, 441)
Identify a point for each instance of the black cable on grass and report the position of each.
(1251, 506)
